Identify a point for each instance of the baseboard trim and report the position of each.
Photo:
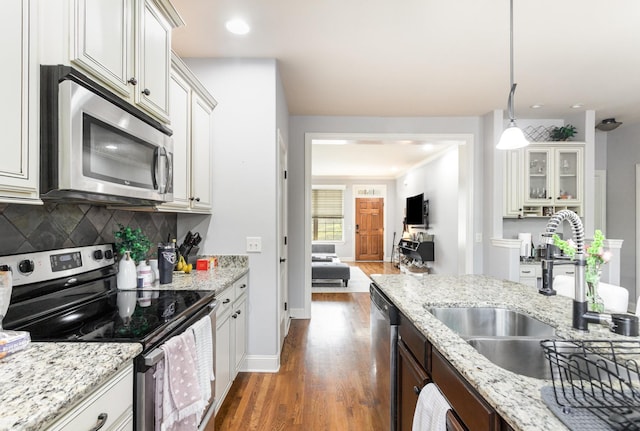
(298, 313)
(261, 364)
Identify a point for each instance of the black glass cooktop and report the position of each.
(134, 315)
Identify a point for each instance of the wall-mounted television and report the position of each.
(417, 211)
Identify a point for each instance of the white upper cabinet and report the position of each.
(107, 58)
(124, 44)
(153, 60)
(190, 111)
(201, 175)
(18, 110)
(544, 178)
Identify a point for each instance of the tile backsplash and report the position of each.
(26, 228)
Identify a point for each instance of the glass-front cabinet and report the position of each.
(538, 166)
(553, 179)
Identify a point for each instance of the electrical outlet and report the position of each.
(478, 236)
(254, 244)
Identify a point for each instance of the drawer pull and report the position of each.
(102, 419)
(417, 390)
(226, 301)
(243, 286)
(570, 272)
(526, 272)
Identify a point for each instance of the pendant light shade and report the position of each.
(512, 137)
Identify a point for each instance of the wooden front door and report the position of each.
(369, 229)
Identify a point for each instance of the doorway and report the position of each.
(369, 229)
(462, 226)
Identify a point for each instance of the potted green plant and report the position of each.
(563, 133)
(132, 240)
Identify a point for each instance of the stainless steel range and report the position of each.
(71, 295)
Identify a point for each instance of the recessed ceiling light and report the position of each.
(237, 26)
(577, 106)
(536, 106)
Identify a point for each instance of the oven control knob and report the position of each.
(108, 254)
(97, 254)
(26, 266)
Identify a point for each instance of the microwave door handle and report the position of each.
(154, 169)
(169, 176)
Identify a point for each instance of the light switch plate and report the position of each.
(254, 244)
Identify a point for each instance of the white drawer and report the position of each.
(569, 270)
(530, 271)
(241, 286)
(114, 398)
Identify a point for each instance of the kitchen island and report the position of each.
(514, 397)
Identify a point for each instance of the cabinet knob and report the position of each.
(243, 286)
(146, 92)
(133, 81)
(238, 312)
(102, 419)
(194, 199)
(234, 315)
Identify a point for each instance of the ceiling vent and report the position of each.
(608, 124)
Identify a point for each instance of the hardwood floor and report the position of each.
(326, 380)
(375, 267)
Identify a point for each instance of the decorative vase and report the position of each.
(594, 301)
(127, 277)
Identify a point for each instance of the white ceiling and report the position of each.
(433, 58)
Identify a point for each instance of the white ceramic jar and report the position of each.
(127, 277)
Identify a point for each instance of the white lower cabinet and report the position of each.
(110, 405)
(531, 273)
(231, 336)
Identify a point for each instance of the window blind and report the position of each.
(327, 203)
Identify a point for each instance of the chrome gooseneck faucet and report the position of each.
(619, 323)
(581, 316)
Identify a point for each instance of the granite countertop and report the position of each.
(230, 268)
(45, 380)
(516, 398)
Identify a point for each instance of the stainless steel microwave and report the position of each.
(97, 148)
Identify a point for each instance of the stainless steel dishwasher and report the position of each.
(384, 351)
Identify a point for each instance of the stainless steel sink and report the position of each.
(507, 338)
(523, 356)
(491, 322)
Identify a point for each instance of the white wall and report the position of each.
(623, 153)
(244, 187)
(438, 180)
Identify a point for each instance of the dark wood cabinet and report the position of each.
(412, 377)
(419, 363)
(469, 406)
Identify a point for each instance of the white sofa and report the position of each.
(615, 298)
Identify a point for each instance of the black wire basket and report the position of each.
(597, 377)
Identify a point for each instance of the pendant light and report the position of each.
(512, 137)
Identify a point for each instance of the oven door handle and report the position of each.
(153, 357)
